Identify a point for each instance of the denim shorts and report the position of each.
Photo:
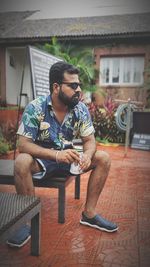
(51, 167)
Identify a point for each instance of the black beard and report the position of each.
(71, 102)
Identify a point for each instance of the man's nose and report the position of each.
(78, 89)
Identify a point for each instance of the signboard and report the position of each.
(141, 141)
(141, 122)
(40, 63)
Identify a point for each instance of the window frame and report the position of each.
(120, 83)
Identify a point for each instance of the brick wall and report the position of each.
(135, 93)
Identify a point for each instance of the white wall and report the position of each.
(14, 70)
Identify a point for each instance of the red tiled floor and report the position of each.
(125, 200)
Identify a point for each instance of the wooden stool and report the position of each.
(60, 182)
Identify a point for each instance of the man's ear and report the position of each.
(56, 88)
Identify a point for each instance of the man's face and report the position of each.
(70, 91)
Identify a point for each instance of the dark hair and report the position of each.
(57, 70)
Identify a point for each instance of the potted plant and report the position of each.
(7, 143)
(4, 146)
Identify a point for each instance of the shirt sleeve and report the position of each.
(86, 125)
(29, 122)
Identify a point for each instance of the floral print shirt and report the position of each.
(40, 123)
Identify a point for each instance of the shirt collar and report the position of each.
(49, 101)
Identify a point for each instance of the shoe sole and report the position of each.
(13, 245)
(99, 228)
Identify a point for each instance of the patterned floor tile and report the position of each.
(125, 200)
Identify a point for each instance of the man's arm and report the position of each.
(89, 148)
(89, 145)
(26, 145)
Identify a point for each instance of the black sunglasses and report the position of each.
(73, 86)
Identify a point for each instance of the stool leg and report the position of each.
(35, 234)
(61, 203)
(77, 187)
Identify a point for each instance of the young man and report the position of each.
(48, 126)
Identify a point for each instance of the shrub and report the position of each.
(4, 146)
(79, 56)
(7, 137)
(104, 122)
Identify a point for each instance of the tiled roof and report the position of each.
(77, 27)
(10, 20)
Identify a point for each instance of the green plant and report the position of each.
(104, 122)
(4, 146)
(7, 137)
(82, 58)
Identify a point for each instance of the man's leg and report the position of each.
(101, 165)
(25, 166)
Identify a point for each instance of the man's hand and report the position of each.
(85, 162)
(68, 156)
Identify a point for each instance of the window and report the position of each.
(127, 71)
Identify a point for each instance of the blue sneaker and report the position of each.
(99, 223)
(20, 238)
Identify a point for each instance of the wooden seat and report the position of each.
(60, 182)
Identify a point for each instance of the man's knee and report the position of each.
(102, 158)
(23, 163)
